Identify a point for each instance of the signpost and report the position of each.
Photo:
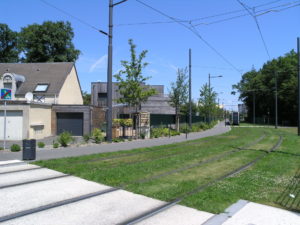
(5, 95)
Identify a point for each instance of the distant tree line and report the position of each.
(260, 85)
(47, 42)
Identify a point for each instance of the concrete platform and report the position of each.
(258, 214)
(27, 204)
(74, 201)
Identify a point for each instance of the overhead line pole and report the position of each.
(190, 88)
(109, 71)
(298, 48)
(276, 102)
(209, 97)
(253, 107)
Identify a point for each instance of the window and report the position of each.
(41, 87)
(7, 82)
(7, 85)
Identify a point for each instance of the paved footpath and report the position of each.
(113, 147)
(30, 194)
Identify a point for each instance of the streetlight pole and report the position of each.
(109, 71)
(209, 100)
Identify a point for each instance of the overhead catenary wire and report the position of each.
(72, 16)
(214, 16)
(257, 25)
(193, 31)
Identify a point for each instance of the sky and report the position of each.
(226, 47)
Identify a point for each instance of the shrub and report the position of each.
(86, 138)
(41, 144)
(1, 148)
(97, 135)
(15, 148)
(55, 145)
(118, 140)
(159, 132)
(65, 139)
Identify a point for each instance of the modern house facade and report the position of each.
(46, 100)
(158, 105)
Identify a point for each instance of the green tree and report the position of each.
(131, 81)
(9, 52)
(179, 93)
(86, 98)
(48, 42)
(207, 102)
(262, 84)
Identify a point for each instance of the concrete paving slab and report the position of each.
(19, 167)
(7, 162)
(253, 213)
(26, 197)
(178, 215)
(9, 179)
(112, 208)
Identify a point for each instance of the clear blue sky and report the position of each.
(238, 39)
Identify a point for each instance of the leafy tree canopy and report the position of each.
(261, 83)
(48, 42)
(9, 52)
(131, 81)
(207, 101)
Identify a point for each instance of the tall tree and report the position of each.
(207, 102)
(9, 52)
(179, 93)
(131, 81)
(262, 84)
(48, 42)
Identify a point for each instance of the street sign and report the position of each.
(6, 94)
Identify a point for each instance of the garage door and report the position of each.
(71, 122)
(14, 125)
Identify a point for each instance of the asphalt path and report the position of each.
(44, 154)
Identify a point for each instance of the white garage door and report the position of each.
(14, 125)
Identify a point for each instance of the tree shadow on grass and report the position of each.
(290, 197)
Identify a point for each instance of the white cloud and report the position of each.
(173, 67)
(99, 64)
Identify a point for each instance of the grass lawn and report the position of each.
(170, 171)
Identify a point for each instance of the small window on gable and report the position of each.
(7, 82)
(41, 87)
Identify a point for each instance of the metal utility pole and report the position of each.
(109, 71)
(298, 47)
(253, 107)
(209, 107)
(276, 102)
(209, 97)
(190, 88)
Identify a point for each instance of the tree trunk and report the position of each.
(177, 119)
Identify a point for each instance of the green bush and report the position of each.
(15, 148)
(55, 145)
(86, 138)
(162, 132)
(118, 140)
(41, 144)
(97, 135)
(1, 148)
(65, 139)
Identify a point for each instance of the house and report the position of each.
(158, 105)
(46, 100)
